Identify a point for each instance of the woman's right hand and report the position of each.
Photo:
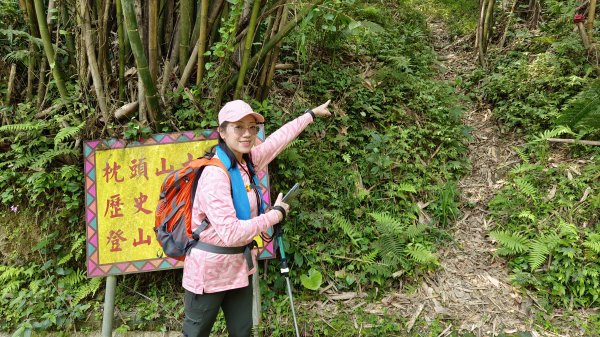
(283, 205)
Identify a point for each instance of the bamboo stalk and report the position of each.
(153, 38)
(66, 19)
(91, 57)
(168, 37)
(479, 37)
(189, 67)
(275, 56)
(47, 42)
(216, 7)
(278, 37)
(185, 22)
(168, 65)
(11, 83)
(247, 50)
(508, 24)
(103, 63)
(126, 110)
(31, 71)
(574, 141)
(487, 27)
(202, 40)
(196, 28)
(272, 26)
(161, 27)
(121, 41)
(591, 17)
(41, 88)
(140, 59)
(33, 50)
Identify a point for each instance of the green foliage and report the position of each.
(555, 257)
(313, 280)
(583, 110)
(538, 78)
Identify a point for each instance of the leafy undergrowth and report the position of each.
(395, 146)
(546, 215)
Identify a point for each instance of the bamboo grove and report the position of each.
(128, 57)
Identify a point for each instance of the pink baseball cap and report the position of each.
(235, 110)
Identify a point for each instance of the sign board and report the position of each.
(122, 184)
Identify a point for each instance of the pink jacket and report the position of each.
(209, 272)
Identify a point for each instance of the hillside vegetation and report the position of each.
(380, 180)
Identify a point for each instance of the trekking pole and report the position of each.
(285, 272)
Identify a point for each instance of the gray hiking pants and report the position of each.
(201, 312)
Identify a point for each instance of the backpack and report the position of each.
(173, 216)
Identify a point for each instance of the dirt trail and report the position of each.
(471, 290)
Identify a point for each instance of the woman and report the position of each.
(228, 206)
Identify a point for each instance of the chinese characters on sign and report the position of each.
(128, 188)
(122, 190)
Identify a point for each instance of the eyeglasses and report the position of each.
(240, 130)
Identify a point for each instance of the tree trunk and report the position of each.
(247, 50)
(168, 65)
(140, 59)
(33, 49)
(66, 17)
(272, 29)
(508, 24)
(278, 37)
(487, 27)
(11, 83)
(121, 39)
(275, 56)
(479, 38)
(153, 38)
(93, 63)
(185, 23)
(45, 35)
(202, 40)
(591, 17)
(103, 32)
(169, 29)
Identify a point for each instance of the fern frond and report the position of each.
(8, 273)
(568, 230)
(370, 257)
(387, 224)
(584, 109)
(348, 229)
(522, 168)
(405, 187)
(66, 133)
(23, 162)
(86, 289)
(421, 254)
(34, 285)
(18, 56)
(551, 240)
(526, 214)
(11, 288)
(414, 231)
(593, 242)
(73, 279)
(553, 133)
(526, 187)
(46, 157)
(20, 33)
(20, 127)
(515, 243)
(521, 153)
(390, 249)
(538, 252)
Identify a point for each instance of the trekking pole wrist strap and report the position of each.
(280, 209)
